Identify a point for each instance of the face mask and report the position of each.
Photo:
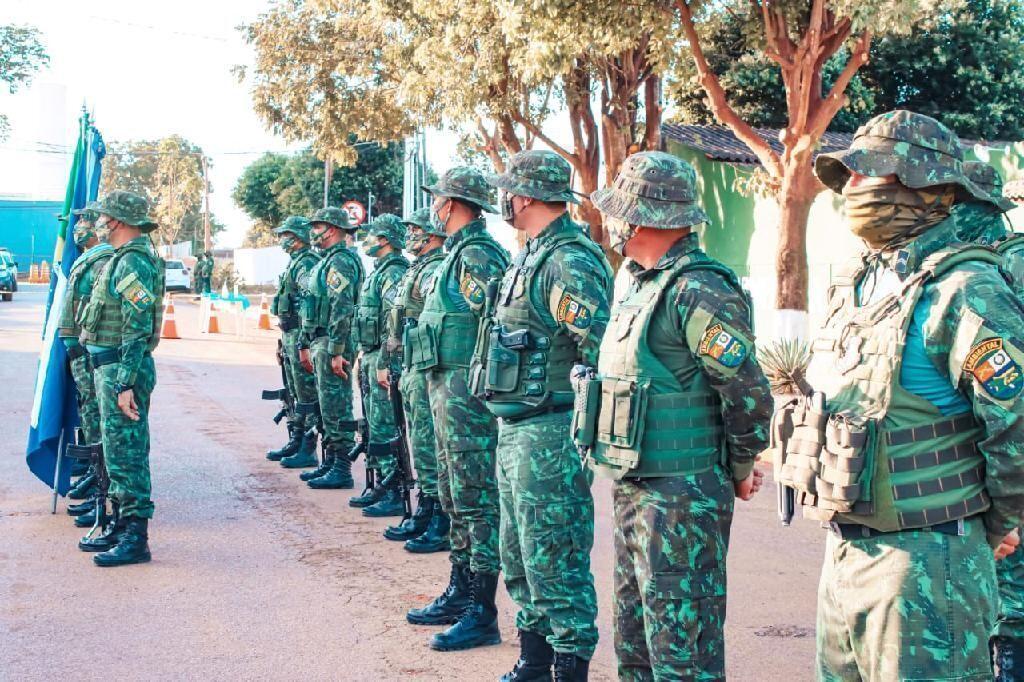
(83, 233)
(508, 211)
(435, 217)
(890, 216)
(102, 229)
(619, 232)
(289, 243)
(316, 239)
(371, 246)
(416, 241)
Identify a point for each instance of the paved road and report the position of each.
(255, 576)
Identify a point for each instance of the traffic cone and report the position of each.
(169, 330)
(33, 273)
(44, 272)
(264, 322)
(212, 326)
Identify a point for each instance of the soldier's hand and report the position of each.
(339, 366)
(748, 487)
(126, 403)
(304, 360)
(1008, 546)
(382, 379)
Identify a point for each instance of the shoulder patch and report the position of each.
(135, 292)
(471, 289)
(389, 292)
(574, 312)
(998, 373)
(336, 281)
(723, 347)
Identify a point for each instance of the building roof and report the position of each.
(719, 143)
(1014, 189)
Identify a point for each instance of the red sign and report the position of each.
(356, 211)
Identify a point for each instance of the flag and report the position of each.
(55, 406)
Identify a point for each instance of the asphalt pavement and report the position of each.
(254, 576)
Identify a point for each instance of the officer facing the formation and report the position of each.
(327, 312)
(442, 345)
(120, 328)
(908, 445)
(676, 416)
(983, 222)
(550, 314)
(203, 273)
(427, 530)
(300, 451)
(385, 239)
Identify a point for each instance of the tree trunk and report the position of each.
(796, 194)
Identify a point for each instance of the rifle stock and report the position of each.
(400, 446)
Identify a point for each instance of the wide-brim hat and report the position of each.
(465, 184)
(538, 174)
(653, 189)
(297, 225)
(335, 217)
(128, 208)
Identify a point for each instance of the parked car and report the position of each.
(177, 277)
(8, 275)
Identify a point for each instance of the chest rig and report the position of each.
(370, 311)
(412, 292)
(101, 318)
(79, 287)
(317, 305)
(289, 297)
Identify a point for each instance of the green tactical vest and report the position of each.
(316, 306)
(416, 279)
(369, 322)
(289, 297)
(886, 458)
(527, 362)
(101, 317)
(95, 259)
(648, 423)
(446, 336)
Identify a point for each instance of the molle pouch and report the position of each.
(621, 419)
(846, 462)
(307, 308)
(799, 429)
(502, 368)
(421, 347)
(90, 313)
(585, 411)
(369, 332)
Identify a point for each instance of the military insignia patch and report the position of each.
(722, 346)
(135, 292)
(573, 312)
(390, 293)
(471, 289)
(995, 370)
(336, 281)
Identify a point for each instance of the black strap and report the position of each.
(75, 352)
(940, 429)
(106, 357)
(855, 531)
(279, 394)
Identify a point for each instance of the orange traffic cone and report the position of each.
(44, 272)
(212, 325)
(33, 273)
(264, 321)
(169, 330)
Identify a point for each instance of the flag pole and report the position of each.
(56, 472)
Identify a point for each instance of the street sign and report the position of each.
(356, 211)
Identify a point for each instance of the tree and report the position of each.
(21, 55)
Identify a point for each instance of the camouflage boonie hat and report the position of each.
(421, 218)
(653, 189)
(539, 174)
(89, 213)
(333, 216)
(987, 178)
(128, 208)
(295, 224)
(389, 226)
(464, 183)
(916, 148)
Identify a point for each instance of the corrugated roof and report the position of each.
(719, 143)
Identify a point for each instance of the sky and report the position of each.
(144, 70)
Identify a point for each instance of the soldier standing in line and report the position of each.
(385, 239)
(551, 312)
(427, 530)
(676, 416)
(120, 328)
(442, 344)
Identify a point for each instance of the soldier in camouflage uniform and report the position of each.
(676, 415)
(550, 314)
(908, 446)
(427, 530)
(385, 239)
(203, 272)
(300, 452)
(120, 327)
(327, 312)
(442, 345)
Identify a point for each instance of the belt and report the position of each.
(287, 324)
(856, 531)
(76, 352)
(551, 409)
(106, 357)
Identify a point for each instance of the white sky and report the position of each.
(146, 70)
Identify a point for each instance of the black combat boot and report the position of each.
(447, 608)
(570, 668)
(435, 537)
(132, 545)
(84, 487)
(306, 454)
(413, 526)
(1008, 659)
(88, 519)
(326, 460)
(82, 507)
(339, 476)
(478, 624)
(370, 495)
(79, 468)
(535, 659)
(108, 538)
(391, 503)
(289, 448)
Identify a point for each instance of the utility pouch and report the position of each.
(369, 332)
(421, 347)
(846, 462)
(798, 436)
(585, 411)
(502, 368)
(621, 419)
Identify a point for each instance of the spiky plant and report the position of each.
(784, 363)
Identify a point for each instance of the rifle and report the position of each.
(282, 394)
(363, 429)
(94, 453)
(400, 445)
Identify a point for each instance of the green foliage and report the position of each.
(21, 55)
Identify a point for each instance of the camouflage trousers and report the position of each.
(671, 543)
(1009, 627)
(916, 605)
(466, 435)
(88, 405)
(335, 396)
(380, 416)
(301, 383)
(420, 423)
(547, 531)
(126, 442)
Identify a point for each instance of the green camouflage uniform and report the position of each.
(375, 300)
(557, 291)
(442, 345)
(913, 458)
(327, 312)
(121, 327)
(203, 271)
(678, 411)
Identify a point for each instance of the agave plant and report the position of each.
(784, 363)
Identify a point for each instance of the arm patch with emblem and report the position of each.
(336, 281)
(471, 289)
(135, 292)
(993, 368)
(723, 347)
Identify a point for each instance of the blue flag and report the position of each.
(55, 407)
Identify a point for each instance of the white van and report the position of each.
(176, 276)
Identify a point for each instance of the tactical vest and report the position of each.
(316, 305)
(75, 298)
(289, 298)
(369, 322)
(525, 361)
(406, 312)
(445, 336)
(1011, 248)
(863, 449)
(649, 424)
(101, 319)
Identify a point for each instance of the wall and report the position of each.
(260, 266)
(29, 229)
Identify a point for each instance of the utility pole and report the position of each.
(369, 206)
(328, 172)
(206, 205)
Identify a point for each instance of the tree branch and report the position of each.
(836, 98)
